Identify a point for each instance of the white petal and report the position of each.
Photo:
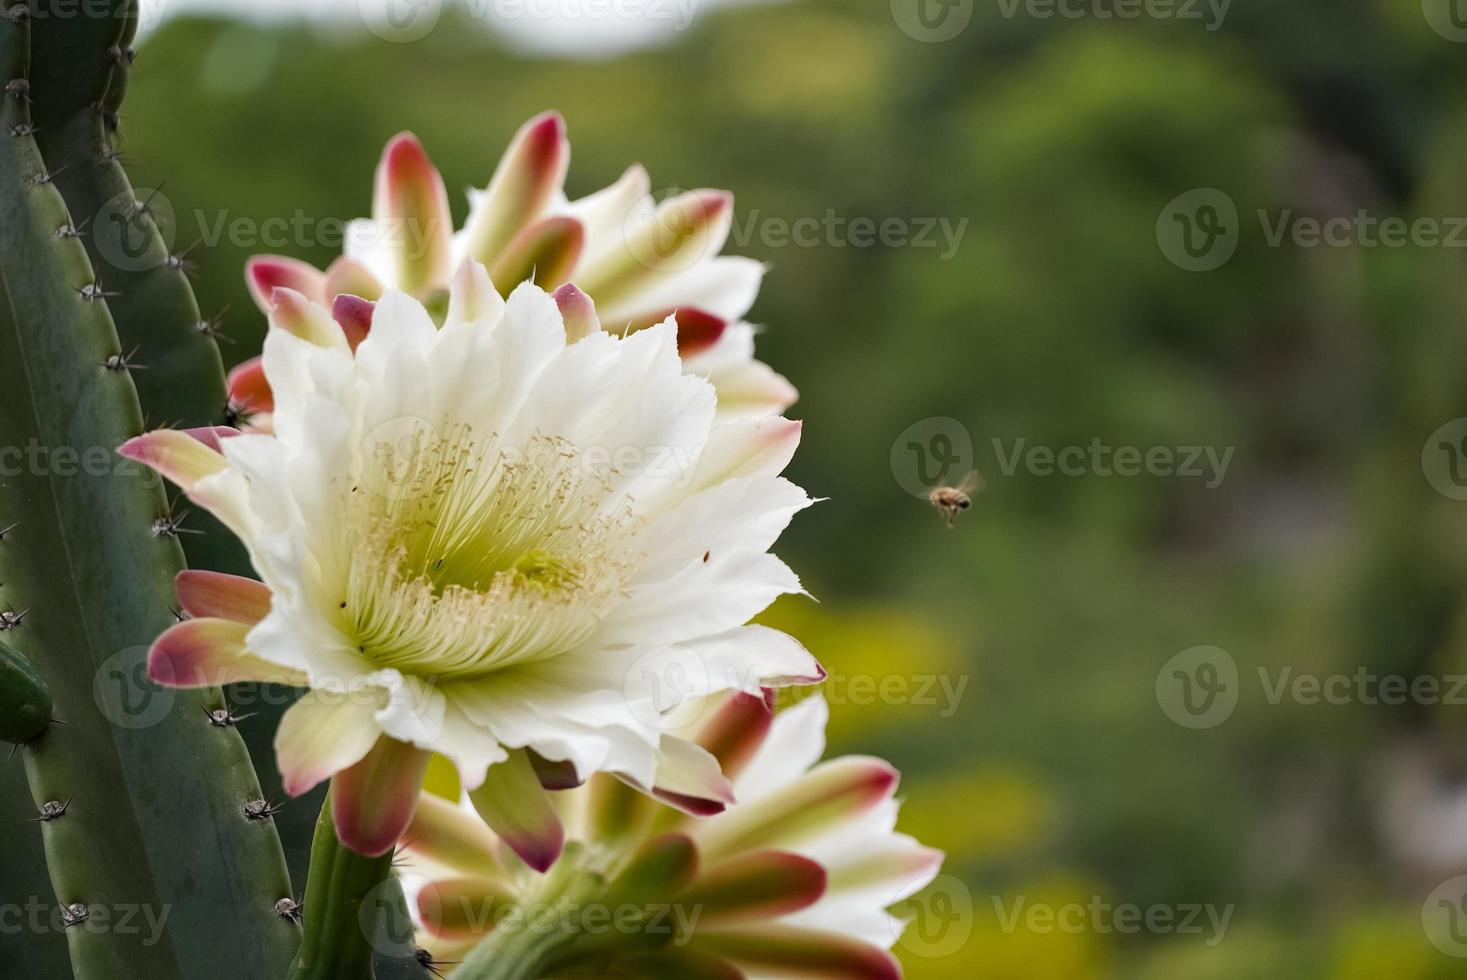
(321, 735)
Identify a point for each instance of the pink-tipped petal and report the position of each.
(747, 447)
(765, 885)
(178, 455)
(799, 954)
(266, 273)
(212, 436)
(897, 866)
(752, 390)
(688, 777)
(446, 834)
(820, 801)
(555, 774)
(354, 315)
(736, 730)
(296, 313)
(249, 389)
(348, 276)
(545, 253)
(697, 330)
(578, 311)
(411, 211)
(204, 594)
(322, 734)
(681, 232)
(372, 802)
(526, 181)
(516, 807)
(210, 653)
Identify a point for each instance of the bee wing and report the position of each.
(973, 482)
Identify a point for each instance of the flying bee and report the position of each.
(951, 501)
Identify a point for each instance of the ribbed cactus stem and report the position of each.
(141, 800)
(81, 67)
(26, 704)
(340, 917)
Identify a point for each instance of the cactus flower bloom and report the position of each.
(642, 262)
(793, 880)
(495, 540)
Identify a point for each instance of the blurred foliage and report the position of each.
(1058, 320)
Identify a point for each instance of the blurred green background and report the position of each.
(1055, 777)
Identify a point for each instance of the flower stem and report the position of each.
(337, 940)
(525, 947)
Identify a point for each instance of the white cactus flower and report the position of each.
(795, 879)
(473, 539)
(640, 261)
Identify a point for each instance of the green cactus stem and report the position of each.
(80, 69)
(141, 799)
(341, 913)
(25, 700)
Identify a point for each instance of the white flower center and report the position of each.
(469, 556)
